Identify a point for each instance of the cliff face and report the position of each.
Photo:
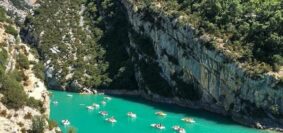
(16, 120)
(173, 63)
(23, 96)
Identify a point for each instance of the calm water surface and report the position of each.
(86, 121)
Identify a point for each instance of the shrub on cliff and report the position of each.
(3, 57)
(38, 70)
(38, 124)
(23, 61)
(11, 30)
(14, 95)
(52, 124)
(2, 15)
(34, 103)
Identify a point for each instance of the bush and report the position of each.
(3, 113)
(11, 30)
(52, 124)
(2, 15)
(38, 124)
(14, 95)
(18, 75)
(72, 130)
(34, 103)
(38, 70)
(23, 61)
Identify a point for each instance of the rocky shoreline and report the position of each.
(246, 121)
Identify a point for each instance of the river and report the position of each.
(74, 109)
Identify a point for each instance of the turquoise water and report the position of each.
(86, 121)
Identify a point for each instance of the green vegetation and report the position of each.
(23, 61)
(3, 17)
(71, 130)
(38, 70)
(3, 57)
(91, 51)
(38, 124)
(251, 30)
(11, 30)
(70, 46)
(52, 124)
(11, 88)
(14, 95)
(34, 103)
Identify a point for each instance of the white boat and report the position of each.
(178, 129)
(103, 113)
(157, 126)
(188, 120)
(90, 107)
(103, 102)
(160, 113)
(55, 102)
(182, 130)
(65, 122)
(69, 95)
(111, 120)
(107, 98)
(132, 115)
(95, 105)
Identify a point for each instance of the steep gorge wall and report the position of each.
(174, 64)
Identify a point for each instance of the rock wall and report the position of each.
(20, 120)
(18, 10)
(175, 64)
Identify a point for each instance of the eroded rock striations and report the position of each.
(174, 64)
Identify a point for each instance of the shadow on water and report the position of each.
(199, 113)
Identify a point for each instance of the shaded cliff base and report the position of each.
(259, 123)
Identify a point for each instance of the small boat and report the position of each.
(103, 113)
(65, 122)
(90, 107)
(158, 126)
(69, 95)
(55, 102)
(107, 98)
(160, 113)
(182, 130)
(103, 102)
(178, 129)
(95, 105)
(188, 120)
(111, 120)
(132, 115)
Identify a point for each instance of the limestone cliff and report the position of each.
(23, 96)
(174, 64)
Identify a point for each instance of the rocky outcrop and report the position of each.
(20, 120)
(174, 64)
(18, 10)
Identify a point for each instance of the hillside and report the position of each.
(24, 100)
(218, 55)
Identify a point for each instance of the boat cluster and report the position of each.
(112, 119)
(176, 128)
